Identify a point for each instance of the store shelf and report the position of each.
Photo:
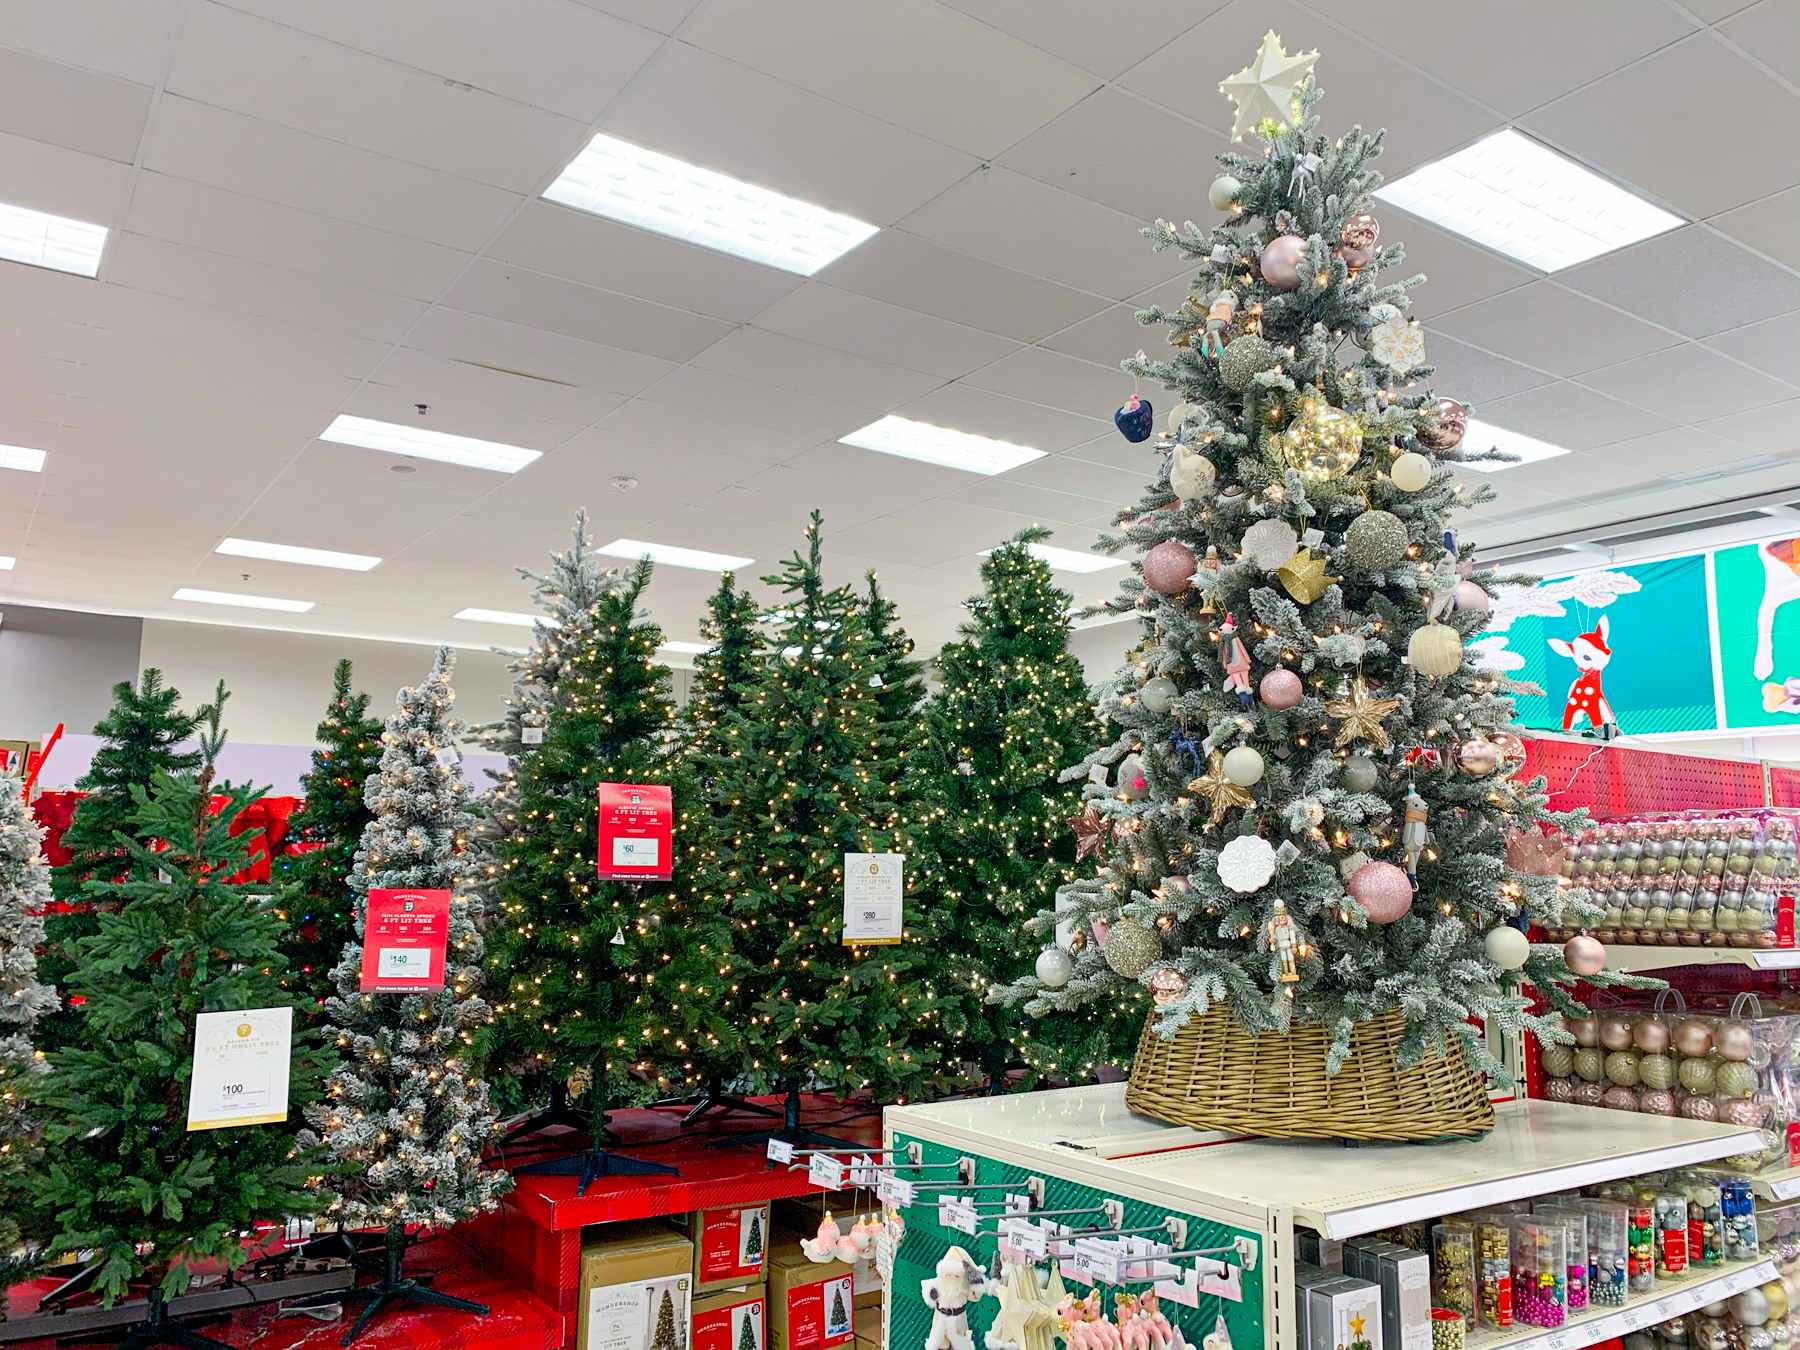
(1671, 1298)
(1634, 956)
(1782, 1185)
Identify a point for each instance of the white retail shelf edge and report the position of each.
(1671, 1298)
(1782, 1185)
(1633, 956)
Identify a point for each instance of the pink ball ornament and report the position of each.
(1280, 689)
(1618, 1098)
(1281, 261)
(1615, 1031)
(1589, 1094)
(1586, 955)
(1693, 1038)
(1656, 1102)
(1478, 757)
(1585, 1030)
(1382, 889)
(1169, 567)
(1470, 598)
(1651, 1035)
(1742, 1111)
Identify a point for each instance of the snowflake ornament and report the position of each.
(1397, 344)
(1247, 863)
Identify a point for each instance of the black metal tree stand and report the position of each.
(392, 1287)
(590, 1164)
(791, 1131)
(559, 1112)
(161, 1329)
(714, 1097)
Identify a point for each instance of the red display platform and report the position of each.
(517, 1321)
(535, 1236)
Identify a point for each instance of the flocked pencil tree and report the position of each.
(313, 887)
(131, 1185)
(803, 790)
(989, 840)
(24, 999)
(1309, 813)
(406, 1115)
(142, 735)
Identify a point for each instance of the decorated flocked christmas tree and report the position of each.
(132, 1187)
(406, 1113)
(313, 886)
(24, 999)
(803, 789)
(1308, 818)
(988, 837)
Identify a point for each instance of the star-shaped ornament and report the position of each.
(1359, 714)
(1220, 792)
(1303, 576)
(1268, 89)
(1091, 832)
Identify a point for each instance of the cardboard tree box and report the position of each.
(636, 1283)
(731, 1319)
(730, 1246)
(811, 1304)
(868, 1328)
(799, 1217)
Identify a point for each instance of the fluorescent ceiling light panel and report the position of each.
(511, 618)
(1523, 199)
(1068, 559)
(940, 445)
(626, 182)
(1482, 436)
(42, 240)
(418, 443)
(685, 648)
(671, 556)
(243, 601)
(293, 553)
(7, 562)
(21, 458)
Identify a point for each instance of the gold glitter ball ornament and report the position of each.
(1131, 948)
(1322, 442)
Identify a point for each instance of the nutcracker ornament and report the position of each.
(1413, 834)
(1236, 662)
(1285, 943)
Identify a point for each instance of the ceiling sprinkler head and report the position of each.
(624, 482)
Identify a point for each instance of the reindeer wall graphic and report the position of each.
(1590, 653)
(1781, 583)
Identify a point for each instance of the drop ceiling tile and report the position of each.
(1691, 280)
(846, 484)
(1565, 414)
(62, 182)
(1456, 273)
(258, 158)
(662, 446)
(1036, 375)
(490, 404)
(1642, 459)
(1014, 221)
(1770, 225)
(1005, 419)
(1097, 482)
(1772, 345)
(1364, 85)
(233, 60)
(664, 16)
(904, 269)
(1711, 11)
(988, 90)
(1554, 329)
(76, 109)
(1769, 32)
(597, 252)
(936, 534)
(1477, 377)
(1091, 36)
(1142, 461)
(1117, 149)
(531, 298)
(882, 332)
(720, 115)
(330, 504)
(1688, 384)
(1641, 126)
(533, 353)
(555, 54)
(772, 358)
(1111, 336)
(1044, 505)
(761, 420)
(1771, 430)
(192, 214)
(127, 38)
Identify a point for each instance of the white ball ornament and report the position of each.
(1270, 543)
(1435, 650)
(1244, 766)
(1506, 947)
(1247, 863)
(1191, 474)
(1411, 472)
(1158, 694)
(1055, 967)
(1223, 192)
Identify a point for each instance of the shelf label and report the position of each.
(1025, 1237)
(863, 1171)
(962, 1216)
(1099, 1262)
(892, 1191)
(1185, 1289)
(780, 1151)
(1018, 1204)
(825, 1171)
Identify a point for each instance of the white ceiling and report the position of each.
(331, 205)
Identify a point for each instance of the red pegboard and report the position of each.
(1614, 781)
(1784, 787)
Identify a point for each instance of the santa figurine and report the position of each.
(1413, 834)
(1236, 662)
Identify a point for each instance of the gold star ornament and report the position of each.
(1267, 91)
(1221, 793)
(1303, 576)
(1359, 714)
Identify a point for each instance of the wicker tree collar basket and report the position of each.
(1214, 1075)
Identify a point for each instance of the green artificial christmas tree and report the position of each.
(406, 1113)
(803, 789)
(989, 836)
(129, 1182)
(313, 886)
(897, 678)
(142, 731)
(1305, 826)
(725, 672)
(570, 954)
(747, 1334)
(753, 1240)
(664, 1337)
(24, 999)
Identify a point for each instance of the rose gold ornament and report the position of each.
(1650, 1035)
(1169, 567)
(1166, 986)
(1559, 1090)
(1477, 757)
(1735, 1041)
(1280, 689)
(1382, 889)
(1618, 1098)
(1280, 261)
(1693, 1038)
(1615, 1031)
(1589, 1094)
(1356, 241)
(1699, 1108)
(1742, 1111)
(1534, 853)
(1512, 750)
(1447, 432)
(1585, 1030)
(1656, 1102)
(1584, 955)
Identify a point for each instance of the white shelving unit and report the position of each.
(1671, 1298)
(1273, 1186)
(1634, 956)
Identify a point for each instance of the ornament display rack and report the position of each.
(1270, 1188)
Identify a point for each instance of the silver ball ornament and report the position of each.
(1376, 541)
(1244, 358)
(1360, 773)
(1055, 967)
(1158, 693)
(1131, 948)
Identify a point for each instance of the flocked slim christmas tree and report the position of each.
(24, 999)
(313, 886)
(989, 840)
(406, 1113)
(1306, 830)
(132, 1187)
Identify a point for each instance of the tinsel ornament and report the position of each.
(1244, 358)
(1131, 948)
(1435, 650)
(1359, 714)
(1410, 472)
(1376, 541)
(1169, 567)
(1304, 577)
(1222, 195)
(1166, 986)
(1477, 757)
(1270, 543)
(1279, 261)
(1321, 442)
(1470, 598)
(1158, 694)
(1359, 774)
(1055, 967)
(1508, 948)
(1446, 431)
(1247, 863)
(1244, 766)
(1382, 890)
(1219, 792)
(1280, 689)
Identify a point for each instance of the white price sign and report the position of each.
(240, 1074)
(963, 1217)
(825, 1171)
(1098, 1263)
(1024, 1237)
(894, 1192)
(863, 1171)
(403, 963)
(780, 1151)
(873, 897)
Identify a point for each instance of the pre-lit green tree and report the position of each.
(313, 886)
(24, 892)
(747, 1335)
(130, 1184)
(753, 1240)
(989, 835)
(725, 671)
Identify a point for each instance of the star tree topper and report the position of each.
(1360, 715)
(1267, 89)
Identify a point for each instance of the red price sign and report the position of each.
(404, 941)
(636, 827)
